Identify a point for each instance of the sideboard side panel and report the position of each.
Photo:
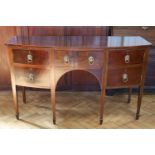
(6, 32)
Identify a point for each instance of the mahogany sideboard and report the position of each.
(39, 62)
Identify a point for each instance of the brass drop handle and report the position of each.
(29, 57)
(127, 58)
(91, 60)
(66, 59)
(125, 77)
(31, 77)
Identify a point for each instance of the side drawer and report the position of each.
(32, 77)
(124, 77)
(34, 57)
(126, 57)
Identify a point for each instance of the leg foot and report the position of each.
(17, 116)
(101, 121)
(24, 95)
(53, 105)
(129, 95)
(137, 116)
(139, 102)
(15, 101)
(54, 121)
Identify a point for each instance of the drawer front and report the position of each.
(79, 59)
(124, 77)
(126, 57)
(34, 57)
(32, 77)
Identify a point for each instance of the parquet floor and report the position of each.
(76, 110)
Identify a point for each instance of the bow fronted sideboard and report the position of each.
(40, 62)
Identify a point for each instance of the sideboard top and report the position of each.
(79, 41)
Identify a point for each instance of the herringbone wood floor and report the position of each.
(76, 110)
